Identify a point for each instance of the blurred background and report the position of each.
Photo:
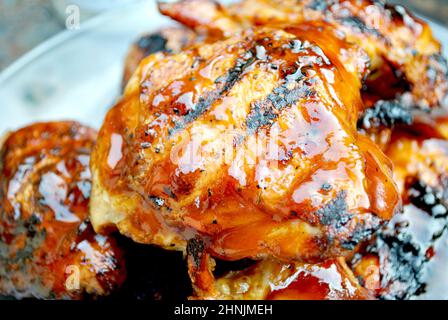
(26, 23)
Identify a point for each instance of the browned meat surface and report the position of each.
(405, 58)
(410, 253)
(172, 39)
(161, 175)
(48, 248)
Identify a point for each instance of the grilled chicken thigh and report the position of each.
(405, 58)
(48, 248)
(246, 147)
(410, 251)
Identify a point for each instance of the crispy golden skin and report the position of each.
(161, 173)
(405, 58)
(46, 240)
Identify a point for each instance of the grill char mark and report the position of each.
(294, 87)
(404, 258)
(225, 84)
(265, 111)
(386, 114)
(152, 43)
(358, 25)
(195, 250)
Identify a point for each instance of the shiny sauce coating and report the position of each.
(187, 153)
(47, 246)
(409, 253)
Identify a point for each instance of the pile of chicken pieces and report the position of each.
(289, 149)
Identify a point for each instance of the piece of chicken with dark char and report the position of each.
(247, 148)
(406, 60)
(404, 259)
(409, 253)
(48, 248)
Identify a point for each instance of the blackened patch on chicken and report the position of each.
(335, 212)
(224, 84)
(158, 202)
(404, 248)
(401, 262)
(336, 216)
(385, 114)
(358, 25)
(152, 43)
(361, 233)
(295, 87)
(35, 237)
(234, 74)
(195, 249)
(265, 111)
(430, 199)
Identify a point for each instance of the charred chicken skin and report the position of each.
(409, 253)
(405, 58)
(405, 258)
(176, 162)
(48, 248)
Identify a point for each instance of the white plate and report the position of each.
(77, 74)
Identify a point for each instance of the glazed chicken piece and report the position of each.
(48, 248)
(246, 147)
(410, 253)
(271, 280)
(405, 59)
(171, 39)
